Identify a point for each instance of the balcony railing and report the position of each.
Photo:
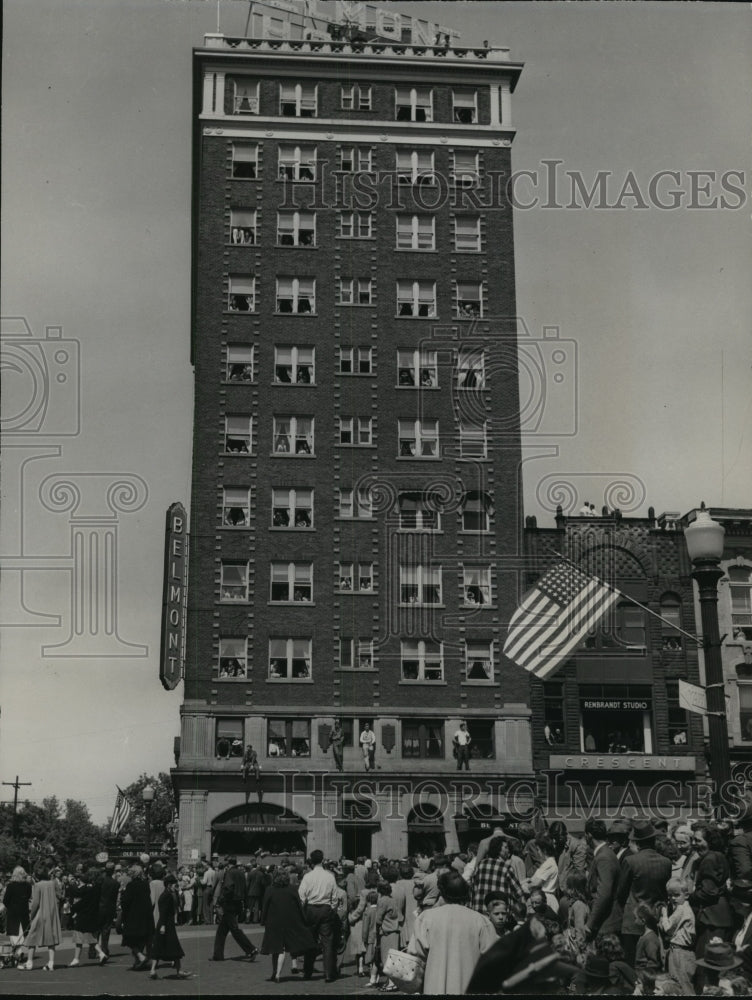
(388, 49)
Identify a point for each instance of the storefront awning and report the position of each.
(279, 827)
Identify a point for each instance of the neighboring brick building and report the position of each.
(356, 476)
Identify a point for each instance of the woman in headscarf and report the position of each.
(45, 931)
(284, 926)
(165, 945)
(137, 917)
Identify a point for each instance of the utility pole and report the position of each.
(15, 785)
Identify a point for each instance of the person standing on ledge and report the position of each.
(462, 741)
(336, 741)
(368, 746)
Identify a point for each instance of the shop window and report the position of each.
(236, 508)
(553, 713)
(417, 369)
(465, 107)
(413, 104)
(416, 232)
(476, 585)
(238, 434)
(483, 746)
(355, 504)
(423, 739)
(467, 233)
(420, 585)
(677, 717)
(473, 440)
(245, 160)
(356, 159)
(292, 508)
(291, 582)
(355, 225)
(297, 100)
(418, 438)
(418, 512)
(241, 363)
(465, 172)
(245, 97)
(296, 229)
(471, 370)
(242, 226)
(355, 97)
(422, 660)
(294, 365)
(468, 300)
(293, 435)
(241, 293)
(479, 662)
(740, 592)
(356, 361)
(477, 511)
(356, 577)
(228, 738)
(414, 167)
(296, 295)
(744, 688)
(233, 658)
(233, 581)
(616, 718)
(290, 659)
(355, 654)
(297, 163)
(671, 640)
(355, 292)
(288, 738)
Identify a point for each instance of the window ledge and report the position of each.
(235, 527)
(419, 458)
(420, 531)
(398, 316)
(357, 374)
(291, 604)
(294, 385)
(430, 683)
(420, 604)
(290, 454)
(241, 246)
(235, 381)
(474, 607)
(357, 593)
(479, 531)
(357, 239)
(228, 602)
(415, 250)
(417, 387)
(356, 670)
(485, 684)
(240, 312)
(288, 527)
(365, 520)
(361, 447)
(355, 305)
(289, 680)
(237, 454)
(295, 246)
(230, 680)
(277, 312)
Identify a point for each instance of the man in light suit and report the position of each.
(605, 912)
(643, 880)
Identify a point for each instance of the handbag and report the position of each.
(405, 970)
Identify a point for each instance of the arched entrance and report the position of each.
(254, 828)
(425, 830)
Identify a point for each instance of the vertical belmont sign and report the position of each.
(173, 603)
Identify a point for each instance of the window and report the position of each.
(245, 97)
(297, 100)
(296, 229)
(356, 430)
(245, 160)
(416, 232)
(355, 504)
(356, 360)
(465, 172)
(553, 712)
(422, 660)
(297, 163)
(744, 676)
(413, 104)
(242, 226)
(293, 435)
(356, 159)
(355, 654)
(294, 365)
(420, 584)
(241, 293)
(473, 440)
(357, 577)
(241, 362)
(467, 233)
(296, 295)
(417, 512)
(671, 640)
(476, 585)
(228, 738)
(471, 369)
(677, 716)
(355, 292)
(355, 225)
(616, 718)
(288, 738)
(479, 662)
(483, 746)
(233, 658)
(416, 298)
(418, 438)
(290, 659)
(292, 508)
(622, 630)
(236, 507)
(356, 97)
(469, 300)
(417, 368)
(414, 166)
(238, 434)
(423, 738)
(291, 582)
(233, 584)
(477, 511)
(740, 590)
(465, 107)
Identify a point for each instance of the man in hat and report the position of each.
(740, 848)
(108, 895)
(643, 880)
(718, 960)
(603, 879)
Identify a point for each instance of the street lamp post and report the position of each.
(147, 794)
(704, 538)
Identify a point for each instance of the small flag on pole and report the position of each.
(554, 617)
(120, 817)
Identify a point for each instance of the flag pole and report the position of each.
(694, 638)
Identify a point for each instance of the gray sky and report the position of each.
(653, 305)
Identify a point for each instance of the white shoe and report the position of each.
(73, 964)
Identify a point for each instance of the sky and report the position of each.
(644, 307)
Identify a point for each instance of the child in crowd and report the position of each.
(369, 937)
(677, 923)
(649, 951)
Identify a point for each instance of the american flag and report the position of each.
(120, 817)
(554, 617)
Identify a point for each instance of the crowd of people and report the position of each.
(632, 908)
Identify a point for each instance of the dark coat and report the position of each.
(498, 963)
(605, 912)
(256, 884)
(284, 926)
(138, 915)
(85, 909)
(16, 900)
(643, 880)
(740, 853)
(165, 945)
(108, 894)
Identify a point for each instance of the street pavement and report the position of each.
(231, 977)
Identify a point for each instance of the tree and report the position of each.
(162, 808)
(48, 832)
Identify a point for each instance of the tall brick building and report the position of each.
(356, 477)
